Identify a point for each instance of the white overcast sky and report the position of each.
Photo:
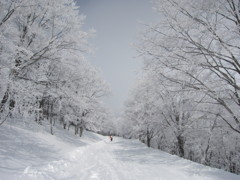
(117, 24)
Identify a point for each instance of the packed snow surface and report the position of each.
(36, 154)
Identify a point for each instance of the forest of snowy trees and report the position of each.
(43, 70)
(187, 101)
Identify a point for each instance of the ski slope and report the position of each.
(35, 154)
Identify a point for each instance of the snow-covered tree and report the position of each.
(199, 40)
(44, 74)
(191, 56)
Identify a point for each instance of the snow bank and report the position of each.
(27, 154)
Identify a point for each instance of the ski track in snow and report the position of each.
(26, 155)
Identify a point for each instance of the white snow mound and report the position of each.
(37, 155)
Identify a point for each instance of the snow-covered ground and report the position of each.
(35, 154)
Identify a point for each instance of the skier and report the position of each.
(111, 138)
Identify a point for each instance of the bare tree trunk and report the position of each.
(81, 131)
(51, 119)
(3, 104)
(206, 158)
(180, 144)
(149, 138)
(76, 130)
(64, 125)
(148, 141)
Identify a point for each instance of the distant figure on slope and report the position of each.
(111, 138)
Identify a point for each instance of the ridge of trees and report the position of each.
(187, 102)
(44, 74)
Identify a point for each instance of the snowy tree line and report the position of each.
(43, 70)
(187, 102)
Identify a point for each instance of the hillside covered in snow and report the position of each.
(33, 153)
